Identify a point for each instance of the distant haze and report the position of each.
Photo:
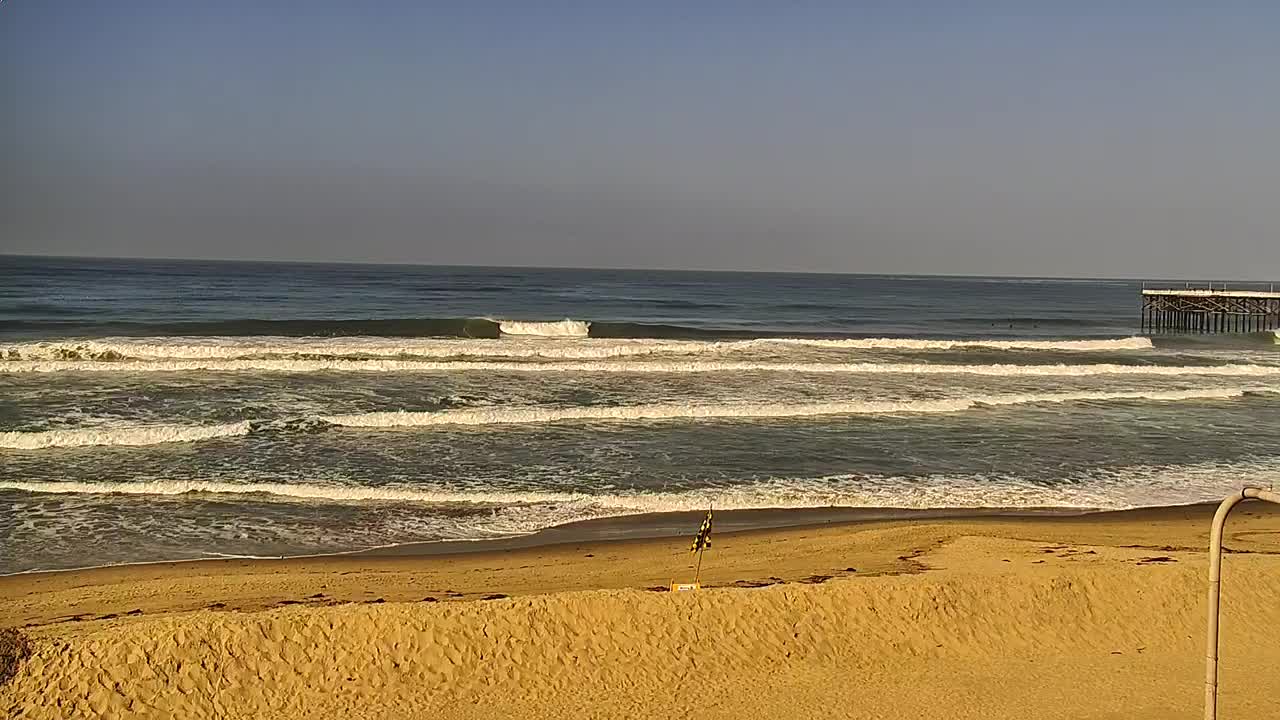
(1068, 139)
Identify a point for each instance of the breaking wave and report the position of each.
(1098, 489)
(657, 366)
(521, 416)
(526, 340)
(563, 328)
(1129, 343)
(265, 347)
(122, 436)
(291, 490)
(157, 434)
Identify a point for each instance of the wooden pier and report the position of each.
(1209, 310)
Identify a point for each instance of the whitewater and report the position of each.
(150, 435)
(547, 344)
(393, 366)
(1124, 488)
(162, 410)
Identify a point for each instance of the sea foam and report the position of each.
(525, 340)
(508, 416)
(1129, 343)
(562, 328)
(302, 365)
(1116, 488)
(137, 435)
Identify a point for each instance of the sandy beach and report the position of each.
(575, 361)
(1097, 616)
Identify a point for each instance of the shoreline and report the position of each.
(637, 526)
(679, 523)
(580, 556)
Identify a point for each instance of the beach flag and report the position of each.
(702, 541)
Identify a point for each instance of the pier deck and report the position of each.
(1209, 310)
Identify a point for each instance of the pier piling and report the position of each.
(1209, 310)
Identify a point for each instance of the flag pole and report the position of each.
(697, 574)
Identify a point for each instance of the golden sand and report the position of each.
(1097, 617)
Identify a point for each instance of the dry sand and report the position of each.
(1092, 617)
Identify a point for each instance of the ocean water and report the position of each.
(162, 410)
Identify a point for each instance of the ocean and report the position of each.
(174, 410)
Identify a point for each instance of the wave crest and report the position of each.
(277, 347)
(562, 328)
(521, 416)
(157, 434)
(1129, 343)
(1117, 488)
(128, 436)
(302, 365)
(520, 340)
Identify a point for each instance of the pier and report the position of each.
(1209, 309)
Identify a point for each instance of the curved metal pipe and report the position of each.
(1215, 584)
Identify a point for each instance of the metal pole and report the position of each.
(1215, 583)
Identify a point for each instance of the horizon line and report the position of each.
(377, 263)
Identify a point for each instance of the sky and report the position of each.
(1136, 139)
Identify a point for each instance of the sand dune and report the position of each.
(993, 628)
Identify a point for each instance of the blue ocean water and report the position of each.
(154, 410)
(50, 297)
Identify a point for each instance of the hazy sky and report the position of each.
(1021, 137)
